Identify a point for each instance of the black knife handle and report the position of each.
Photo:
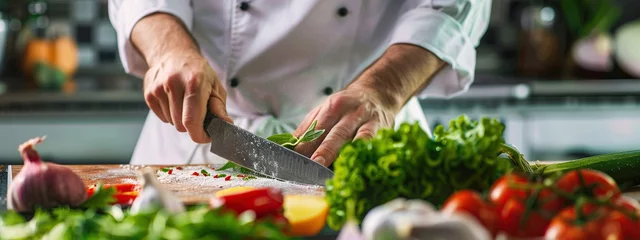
(208, 117)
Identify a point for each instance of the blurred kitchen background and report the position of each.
(562, 74)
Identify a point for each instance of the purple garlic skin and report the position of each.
(43, 185)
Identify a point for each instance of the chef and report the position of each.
(274, 66)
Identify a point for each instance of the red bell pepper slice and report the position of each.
(125, 194)
(263, 201)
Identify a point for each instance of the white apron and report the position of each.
(278, 59)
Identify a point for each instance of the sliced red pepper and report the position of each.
(125, 198)
(121, 187)
(263, 201)
(170, 171)
(179, 168)
(125, 194)
(227, 178)
(195, 174)
(216, 176)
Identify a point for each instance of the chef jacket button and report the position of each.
(244, 6)
(234, 82)
(328, 91)
(343, 11)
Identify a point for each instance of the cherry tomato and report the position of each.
(621, 222)
(503, 190)
(549, 203)
(596, 184)
(566, 226)
(628, 203)
(470, 202)
(629, 225)
(514, 223)
(510, 200)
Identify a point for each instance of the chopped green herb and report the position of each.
(248, 178)
(286, 140)
(165, 169)
(222, 175)
(204, 172)
(198, 222)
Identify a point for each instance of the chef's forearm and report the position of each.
(160, 33)
(402, 71)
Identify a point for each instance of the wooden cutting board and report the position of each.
(191, 189)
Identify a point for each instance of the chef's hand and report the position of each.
(180, 81)
(353, 113)
(178, 88)
(370, 102)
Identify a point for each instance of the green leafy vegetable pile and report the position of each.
(409, 163)
(200, 222)
(286, 140)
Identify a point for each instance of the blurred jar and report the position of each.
(49, 52)
(4, 35)
(541, 50)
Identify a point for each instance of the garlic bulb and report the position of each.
(417, 219)
(44, 185)
(153, 195)
(350, 231)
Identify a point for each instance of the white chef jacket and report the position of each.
(278, 59)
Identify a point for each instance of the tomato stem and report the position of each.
(516, 158)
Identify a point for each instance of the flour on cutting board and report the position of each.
(186, 177)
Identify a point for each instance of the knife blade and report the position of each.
(261, 155)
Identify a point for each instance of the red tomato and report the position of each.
(621, 222)
(514, 223)
(627, 224)
(566, 226)
(470, 202)
(503, 190)
(549, 203)
(510, 201)
(596, 183)
(628, 203)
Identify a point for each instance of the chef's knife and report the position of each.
(261, 155)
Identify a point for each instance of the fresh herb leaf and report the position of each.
(204, 172)
(222, 175)
(228, 165)
(165, 169)
(286, 140)
(282, 138)
(102, 197)
(313, 135)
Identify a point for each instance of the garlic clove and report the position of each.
(154, 195)
(418, 219)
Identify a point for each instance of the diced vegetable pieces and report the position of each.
(307, 214)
